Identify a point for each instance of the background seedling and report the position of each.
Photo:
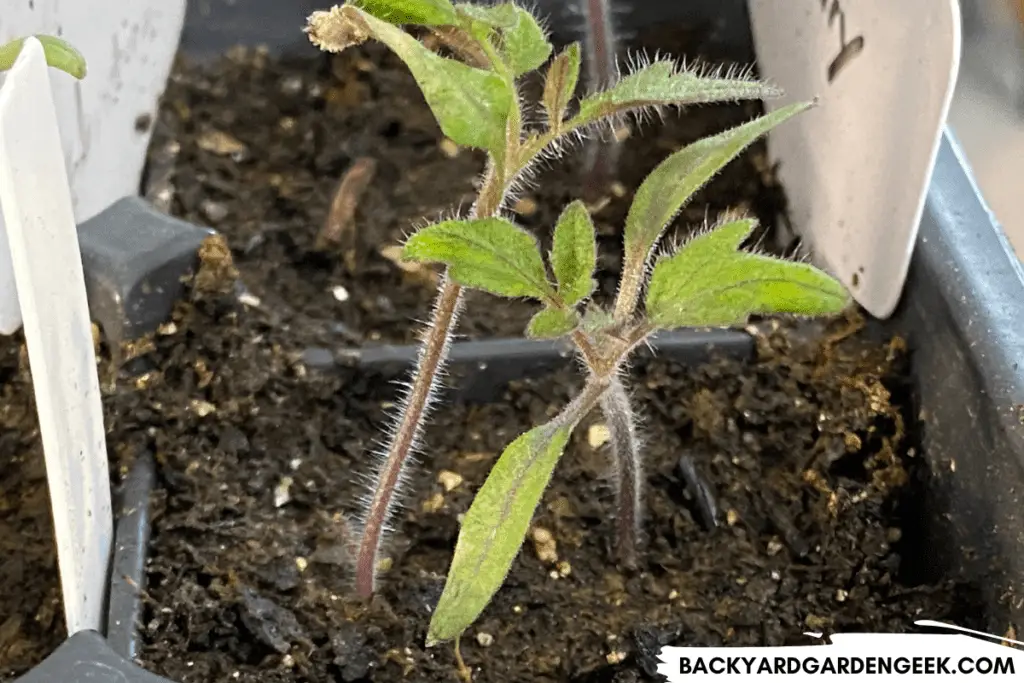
(477, 103)
(58, 53)
(601, 42)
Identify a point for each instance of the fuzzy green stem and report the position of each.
(588, 399)
(631, 282)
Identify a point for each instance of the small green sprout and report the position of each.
(473, 91)
(59, 54)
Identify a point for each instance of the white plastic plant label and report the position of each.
(856, 168)
(47, 265)
(106, 118)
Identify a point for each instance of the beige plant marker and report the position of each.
(857, 166)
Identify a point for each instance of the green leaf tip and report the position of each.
(560, 84)
(552, 323)
(471, 105)
(709, 282)
(574, 254)
(672, 184)
(494, 528)
(59, 53)
(491, 254)
(663, 82)
(522, 41)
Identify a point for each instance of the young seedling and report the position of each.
(59, 54)
(474, 95)
(709, 281)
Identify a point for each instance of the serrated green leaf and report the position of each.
(552, 323)
(675, 180)
(574, 254)
(59, 54)
(560, 84)
(471, 105)
(494, 528)
(664, 83)
(523, 44)
(420, 12)
(490, 254)
(710, 283)
(526, 46)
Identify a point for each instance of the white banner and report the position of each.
(856, 657)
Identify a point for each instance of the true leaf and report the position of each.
(490, 254)
(560, 85)
(710, 283)
(675, 180)
(664, 83)
(551, 323)
(421, 12)
(574, 254)
(494, 528)
(523, 44)
(59, 54)
(471, 105)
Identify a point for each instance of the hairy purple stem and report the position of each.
(413, 408)
(618, 414)
(601, 45)
(433, 354)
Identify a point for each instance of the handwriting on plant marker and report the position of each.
(857, 167)
(848, 49)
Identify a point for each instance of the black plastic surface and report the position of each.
(128, 573)
(134, 258)
(478, 371)
(963, 314)
(87, 658)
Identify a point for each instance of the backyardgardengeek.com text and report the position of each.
(846, 665)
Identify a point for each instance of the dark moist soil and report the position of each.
(256, 148)
(806, 451)
(31, 613)
(260, 459)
